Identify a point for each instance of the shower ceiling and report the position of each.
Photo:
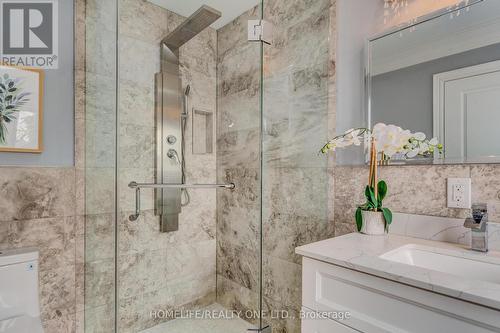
(230, 8)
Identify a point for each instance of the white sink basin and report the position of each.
(461, 264)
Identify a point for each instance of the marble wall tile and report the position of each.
(100, 190)
(235, 75)
(80, 27)
(54, 238)
(282, 281)
(101, 45)
(102, 11)
(232, 295)
(281, 317)
(80, 92)
(412, 189)
(33, 193)
(137, 104)
(238, 149)
(238, 264)
(80, 191)
(136, 147)
(57, 291)
(99, 283)
(139, 60)
(238, 112)
(60, 323)
(486, 188)
(234, 35)
(99, 237)
(142, 20)
(99, 320)
(284, 232)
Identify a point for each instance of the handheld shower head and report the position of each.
(184, 113)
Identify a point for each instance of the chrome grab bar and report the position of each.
(138, 186)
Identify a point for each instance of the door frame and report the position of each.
(439, 83)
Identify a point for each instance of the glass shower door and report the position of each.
(187, 113)
(298, 110)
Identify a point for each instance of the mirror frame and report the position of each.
(368, 82)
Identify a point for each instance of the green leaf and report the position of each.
(382, 190)
(359, 218)
(387, 216)
(370, 196)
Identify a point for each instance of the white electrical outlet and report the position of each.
(459, 193)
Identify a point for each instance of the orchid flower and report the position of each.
(391, 140)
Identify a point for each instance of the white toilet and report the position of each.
(19, 304)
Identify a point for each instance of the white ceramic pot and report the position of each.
(373, 223)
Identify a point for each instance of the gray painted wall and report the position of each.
(58, 120)
(404, 97)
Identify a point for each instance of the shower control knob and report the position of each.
(171, 139)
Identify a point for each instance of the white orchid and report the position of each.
(391, 140)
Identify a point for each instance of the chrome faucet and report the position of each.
(478, 224)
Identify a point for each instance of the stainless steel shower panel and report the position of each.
(168, 168)
(168, 110)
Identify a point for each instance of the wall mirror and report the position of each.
(441, 76)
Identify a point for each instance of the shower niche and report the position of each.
(203, 129)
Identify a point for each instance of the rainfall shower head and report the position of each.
(192, 26)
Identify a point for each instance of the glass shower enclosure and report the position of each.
(202, 173)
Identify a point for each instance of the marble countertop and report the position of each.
(361, 252)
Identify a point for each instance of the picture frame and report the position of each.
(21, 109)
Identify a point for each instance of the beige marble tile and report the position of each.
(100, 45)
(32, 193)
(80, 16)
(142, 20)
(80, 192)
(281, 317)
(238, 264)
(421, 189)
(57, 292)
(412, 189)
(99, 237)
(234, 296)
(53, 237)
(282, 281)
(102, 11)
(486, 188)
(234, 35)
(100, 319)
(99, 283)
(100, 190)
(59, 322)
(136, 103)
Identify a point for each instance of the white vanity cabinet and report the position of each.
(380, 305)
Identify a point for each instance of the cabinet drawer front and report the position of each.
(311, 324)
(379, 305)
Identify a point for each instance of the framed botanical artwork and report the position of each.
(21, 109)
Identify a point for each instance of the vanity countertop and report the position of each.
(361, 252)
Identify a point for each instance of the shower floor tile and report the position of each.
(233, 325)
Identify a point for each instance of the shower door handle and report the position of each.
(138, 186)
